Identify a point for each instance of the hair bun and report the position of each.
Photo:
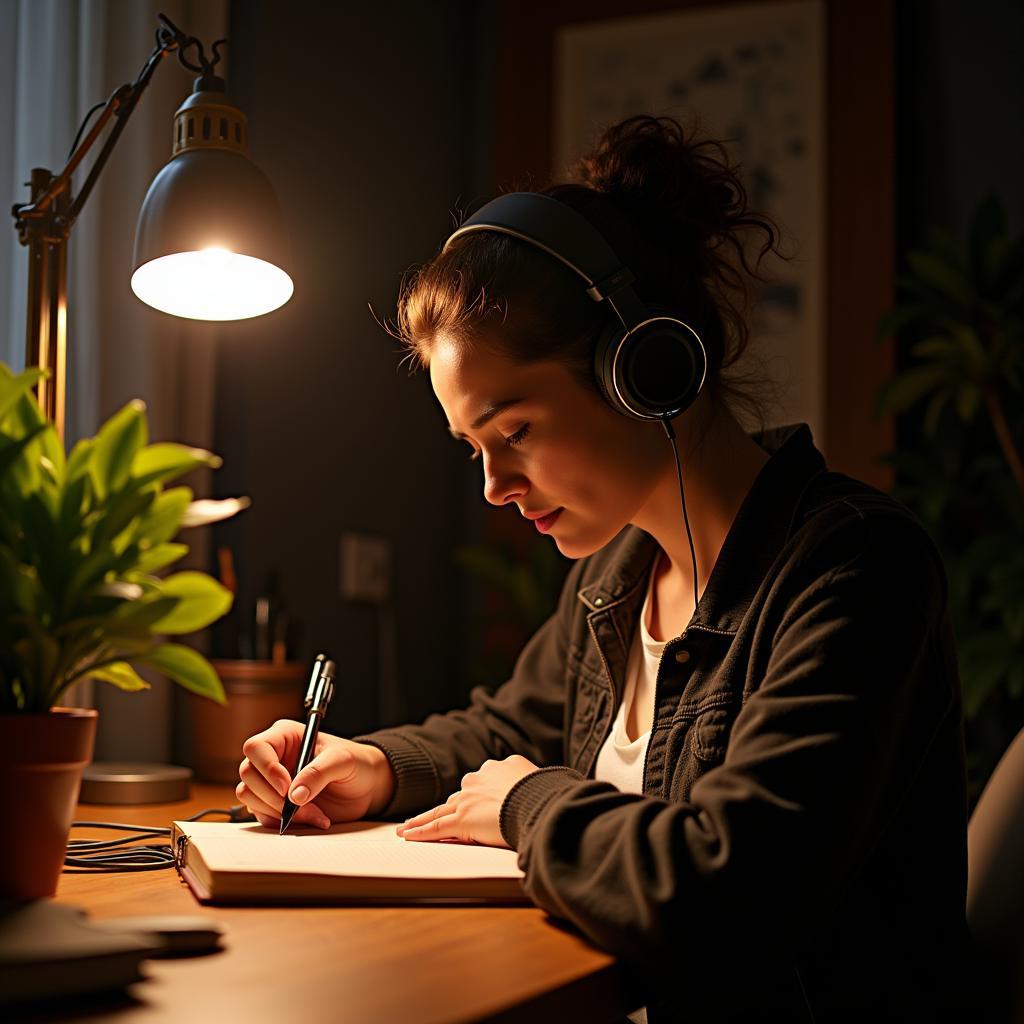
(673, 186)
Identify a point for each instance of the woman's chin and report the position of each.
(576, 547)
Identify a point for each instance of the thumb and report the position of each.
(332, 765)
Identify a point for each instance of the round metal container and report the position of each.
(133, 782)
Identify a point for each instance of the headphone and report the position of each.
(649, 364)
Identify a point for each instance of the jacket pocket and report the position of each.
(711, 734)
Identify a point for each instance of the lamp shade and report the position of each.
(211, 243)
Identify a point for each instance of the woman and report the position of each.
(733, 756)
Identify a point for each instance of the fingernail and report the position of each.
(325, 823)
(300, 794)
(281, 786)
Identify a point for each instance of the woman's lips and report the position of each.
(546, 522)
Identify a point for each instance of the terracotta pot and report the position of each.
(41, 762)
(259, 693)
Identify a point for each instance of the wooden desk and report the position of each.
(365, 965)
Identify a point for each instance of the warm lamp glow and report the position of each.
(212, 284)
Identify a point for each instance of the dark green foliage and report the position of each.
(80, 539)
(961, 320)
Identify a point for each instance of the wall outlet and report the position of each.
(365, 568)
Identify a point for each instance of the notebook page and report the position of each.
(358, 849)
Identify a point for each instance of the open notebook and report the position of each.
(352, 863)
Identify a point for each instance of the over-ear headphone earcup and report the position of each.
(652, 372)
(604, 355)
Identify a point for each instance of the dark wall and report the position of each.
(960, 110)
(367, 120)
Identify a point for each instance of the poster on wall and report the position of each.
(752, 76)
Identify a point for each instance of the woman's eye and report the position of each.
(516, 439)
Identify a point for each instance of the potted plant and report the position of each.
(960, 462)
(82, 537)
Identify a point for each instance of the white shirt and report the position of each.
(621, 759)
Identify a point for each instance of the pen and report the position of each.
(318, 696)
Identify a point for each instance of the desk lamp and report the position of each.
(210, 244)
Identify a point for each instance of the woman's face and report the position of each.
(548, 444)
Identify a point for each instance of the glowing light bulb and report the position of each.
(212, 284)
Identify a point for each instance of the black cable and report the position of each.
(85, 121)
(670, 432)
(92, 856)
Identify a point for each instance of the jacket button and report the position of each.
(682, 656)
(599, 601)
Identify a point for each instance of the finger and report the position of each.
(308, 815)
(444, 827)
(254, 779)
(255, 803)
(422, 819)
(264, 751)
(334, 764)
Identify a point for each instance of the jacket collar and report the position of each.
(762, 525)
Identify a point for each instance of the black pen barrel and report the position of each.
(305, 756)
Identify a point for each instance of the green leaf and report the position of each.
(121, 513)
(12, 388)
(162, 462)
(159, 556)
(53, 452)
(939, 346)
(943, 276)
(201, 600)
(163, 520)
(115, 446)
(121, 675)
(188, 668)
(132, 617)
(968, 397)
(10, 451)
(79, 460)
(72, 507)
(86, 574)
(898, 318)
(909, 387)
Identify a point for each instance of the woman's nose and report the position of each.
(501, 486)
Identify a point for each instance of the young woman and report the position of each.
(733, 756)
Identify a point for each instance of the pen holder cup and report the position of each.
(258, 693)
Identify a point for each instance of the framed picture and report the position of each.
(804, 89)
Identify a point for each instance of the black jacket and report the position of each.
(799, 852)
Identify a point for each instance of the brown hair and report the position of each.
(673, 209)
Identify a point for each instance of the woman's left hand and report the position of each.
(471, 814)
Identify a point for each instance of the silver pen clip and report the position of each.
(321, 686)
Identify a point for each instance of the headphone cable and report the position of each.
(671, 434)
(90, 856)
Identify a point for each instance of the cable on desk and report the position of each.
(92, 856)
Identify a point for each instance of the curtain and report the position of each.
(58, 58)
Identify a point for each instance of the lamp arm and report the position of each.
(44, 224)
(122, 103)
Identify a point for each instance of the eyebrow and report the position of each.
(491, 410)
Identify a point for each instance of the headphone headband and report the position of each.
(651, 365)
(570, 238)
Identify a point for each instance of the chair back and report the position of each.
(995, 883)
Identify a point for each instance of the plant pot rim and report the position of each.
(61, 711)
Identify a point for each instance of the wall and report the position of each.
(368, 122)
(960, 106)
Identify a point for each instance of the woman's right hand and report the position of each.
(344, 781)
